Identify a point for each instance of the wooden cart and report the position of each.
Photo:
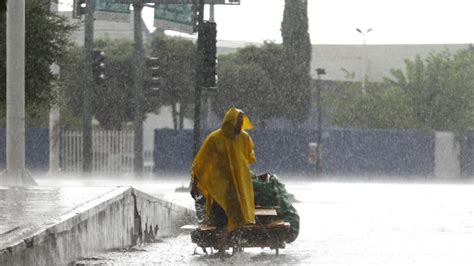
(266, 232)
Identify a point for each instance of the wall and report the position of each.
(377, 152)
(117, 220)
(447, 155)
(344, 151)
(37, 149)
(467, 154)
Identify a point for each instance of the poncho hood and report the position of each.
(230, 120)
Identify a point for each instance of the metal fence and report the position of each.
(112, 152)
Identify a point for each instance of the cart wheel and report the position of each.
(222, 254)
(237, 249)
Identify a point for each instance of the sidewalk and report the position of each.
(23, 208)
(48, 225)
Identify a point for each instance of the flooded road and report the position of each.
(345, 224)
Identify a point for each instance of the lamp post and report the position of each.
(320, 72)
(15, 173)
(366, 59)
(88, 89)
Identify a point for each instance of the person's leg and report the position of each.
(219, 219)
(218, 216)
(200, 205)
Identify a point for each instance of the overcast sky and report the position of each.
(335, 21)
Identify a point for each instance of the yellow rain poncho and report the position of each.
(221, 170)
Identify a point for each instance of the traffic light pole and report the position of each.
(199, 82)
(138, 58)
(87, 90)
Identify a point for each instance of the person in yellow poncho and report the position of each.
(221, 171)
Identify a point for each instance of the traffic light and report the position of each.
(98, 66)
(79, 8)
(207, 45)
(152, 74)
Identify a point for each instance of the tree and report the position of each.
(245, 86)
(3, 6)
(434, 94)
(251, 78)
(297, 54)
(112, 103)
(177, 64)
(46, 41)
(383, 106)
(439, 89)
(270, 58)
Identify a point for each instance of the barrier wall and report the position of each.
(347, 151)
(116, 220)
(379, 152)
(467, 154)
(37, 149)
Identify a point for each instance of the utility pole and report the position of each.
(366, 59)
(54, 116)
(54, 130)
(208, 98)
(211, 13)
(138, 57)
(16, 173)
(87, 89)
(199, 81)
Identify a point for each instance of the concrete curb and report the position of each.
(116, 220)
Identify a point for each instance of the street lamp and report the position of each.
(319, 72)
(366, 59)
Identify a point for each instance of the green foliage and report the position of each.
(3, 6)
(46, 41)
(435, 93)
(382, 106)
(251, 79)
(112, 101)
(245, 86)
(177, 63)
(297, 59)
(440, 89)
(120, 49)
